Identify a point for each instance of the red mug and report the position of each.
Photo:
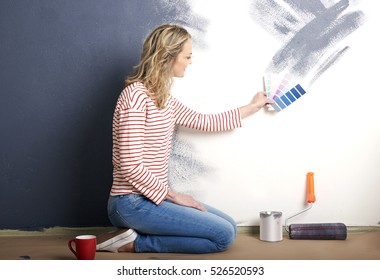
(85, 247)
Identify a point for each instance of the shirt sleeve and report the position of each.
(206, 122)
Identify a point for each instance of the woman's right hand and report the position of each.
(185, 200)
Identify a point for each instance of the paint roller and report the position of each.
(315, 231)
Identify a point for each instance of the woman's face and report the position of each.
(183, 59)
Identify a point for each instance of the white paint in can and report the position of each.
(271, 226)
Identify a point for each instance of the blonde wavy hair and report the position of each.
(154, 70)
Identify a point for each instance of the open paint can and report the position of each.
(271, 226)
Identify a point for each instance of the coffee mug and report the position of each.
(85, 247)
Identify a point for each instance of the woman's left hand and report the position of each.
(185, 200)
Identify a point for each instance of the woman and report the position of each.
(151, 217)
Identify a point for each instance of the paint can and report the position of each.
(270, 226)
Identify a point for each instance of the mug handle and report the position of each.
(71, 246)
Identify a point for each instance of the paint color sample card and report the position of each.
(283, 91)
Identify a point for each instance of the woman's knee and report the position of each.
(225, 237)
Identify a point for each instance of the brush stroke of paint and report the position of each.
(181, 12)
(184, 167)
(309, 30)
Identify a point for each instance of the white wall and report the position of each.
(333, 131)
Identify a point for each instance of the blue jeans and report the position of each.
(172, 228)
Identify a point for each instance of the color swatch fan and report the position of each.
(283, 90)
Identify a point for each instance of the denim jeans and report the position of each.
(172, 228)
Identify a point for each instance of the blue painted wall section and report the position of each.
(63, 64)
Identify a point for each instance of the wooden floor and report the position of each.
(357, 246)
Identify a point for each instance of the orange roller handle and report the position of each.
(310, 187)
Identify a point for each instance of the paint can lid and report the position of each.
(271, 213)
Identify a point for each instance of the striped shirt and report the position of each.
(142, 138)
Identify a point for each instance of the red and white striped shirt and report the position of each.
(142, 137)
